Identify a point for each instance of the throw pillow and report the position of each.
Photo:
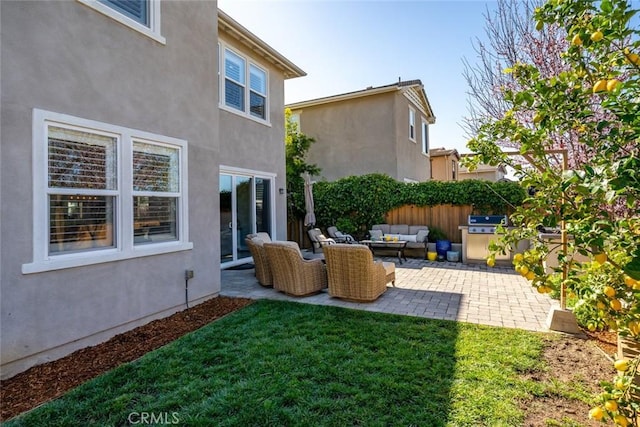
(375, 234)
(422, 235)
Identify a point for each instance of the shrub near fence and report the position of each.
(358, 202)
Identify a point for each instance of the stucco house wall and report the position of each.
(367, 132)
(353, 137)
(69, 59)
(413, 164)
(254, 145)
(484, 172)
(445, 164)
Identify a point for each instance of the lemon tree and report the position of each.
(591, 102)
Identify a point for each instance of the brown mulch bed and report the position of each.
(50, 380)
(567, 358)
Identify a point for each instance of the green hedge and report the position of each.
(357, 202)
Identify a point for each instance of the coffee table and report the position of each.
(396, 245)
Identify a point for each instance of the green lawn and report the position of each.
(288, 364)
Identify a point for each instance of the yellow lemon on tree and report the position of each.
(491, 262)
(621, 420)
(530, 275)
(523, 270)
(537, 118)
(600, 258)
(518, 258)
(601, 85)
(633, 58)
(612, 84)
(620, 385)
(611, 405)
(596, 413)
(634, 327)
(609, 291)
(597, 36)
(600, 305)
(630, 281)
(576, 40)
(615, 304)
(621, 365)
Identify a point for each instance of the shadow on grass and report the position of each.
(279, 363)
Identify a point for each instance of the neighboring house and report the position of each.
(140, 141)
(444, 164)
(485, 172)
(381, 129)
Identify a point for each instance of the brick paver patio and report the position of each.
(439, 290)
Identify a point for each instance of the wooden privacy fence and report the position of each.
(445, 217)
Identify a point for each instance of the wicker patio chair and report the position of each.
(318, 240)
(255, 243)
(292, 274)
(353, 274)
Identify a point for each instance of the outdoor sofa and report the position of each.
(416, 236)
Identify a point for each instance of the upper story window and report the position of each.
(412, 124)
(138, 10)
(250, 99)
(425, 137)
(140, 15)
(104, 192)
(295, 122)
(454, 169)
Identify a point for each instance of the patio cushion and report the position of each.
(375, 234)
(422, 235)
(382, 227)
(414, 229)
(398, 229)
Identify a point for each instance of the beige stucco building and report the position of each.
(381, 129)
(484, 172)
(139, 144)
(444, 164)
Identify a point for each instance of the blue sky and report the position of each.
(348, 45)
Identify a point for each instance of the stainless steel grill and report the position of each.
(477, 236)
(485, 224)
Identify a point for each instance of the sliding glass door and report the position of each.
(245, 208)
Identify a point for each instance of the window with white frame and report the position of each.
(104, 192)
(138, 10)
(295, 122)
(140, 15)
(412, 124)
(248, 99)
(425, 137)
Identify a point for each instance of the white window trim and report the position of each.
(152, 31)
(232, 170)
(412, 138)
(221, 98)
(424, 131)
(125, 248)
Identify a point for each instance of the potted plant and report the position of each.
(439, 242)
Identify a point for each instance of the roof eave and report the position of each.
(341, 97)
(237, 31)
